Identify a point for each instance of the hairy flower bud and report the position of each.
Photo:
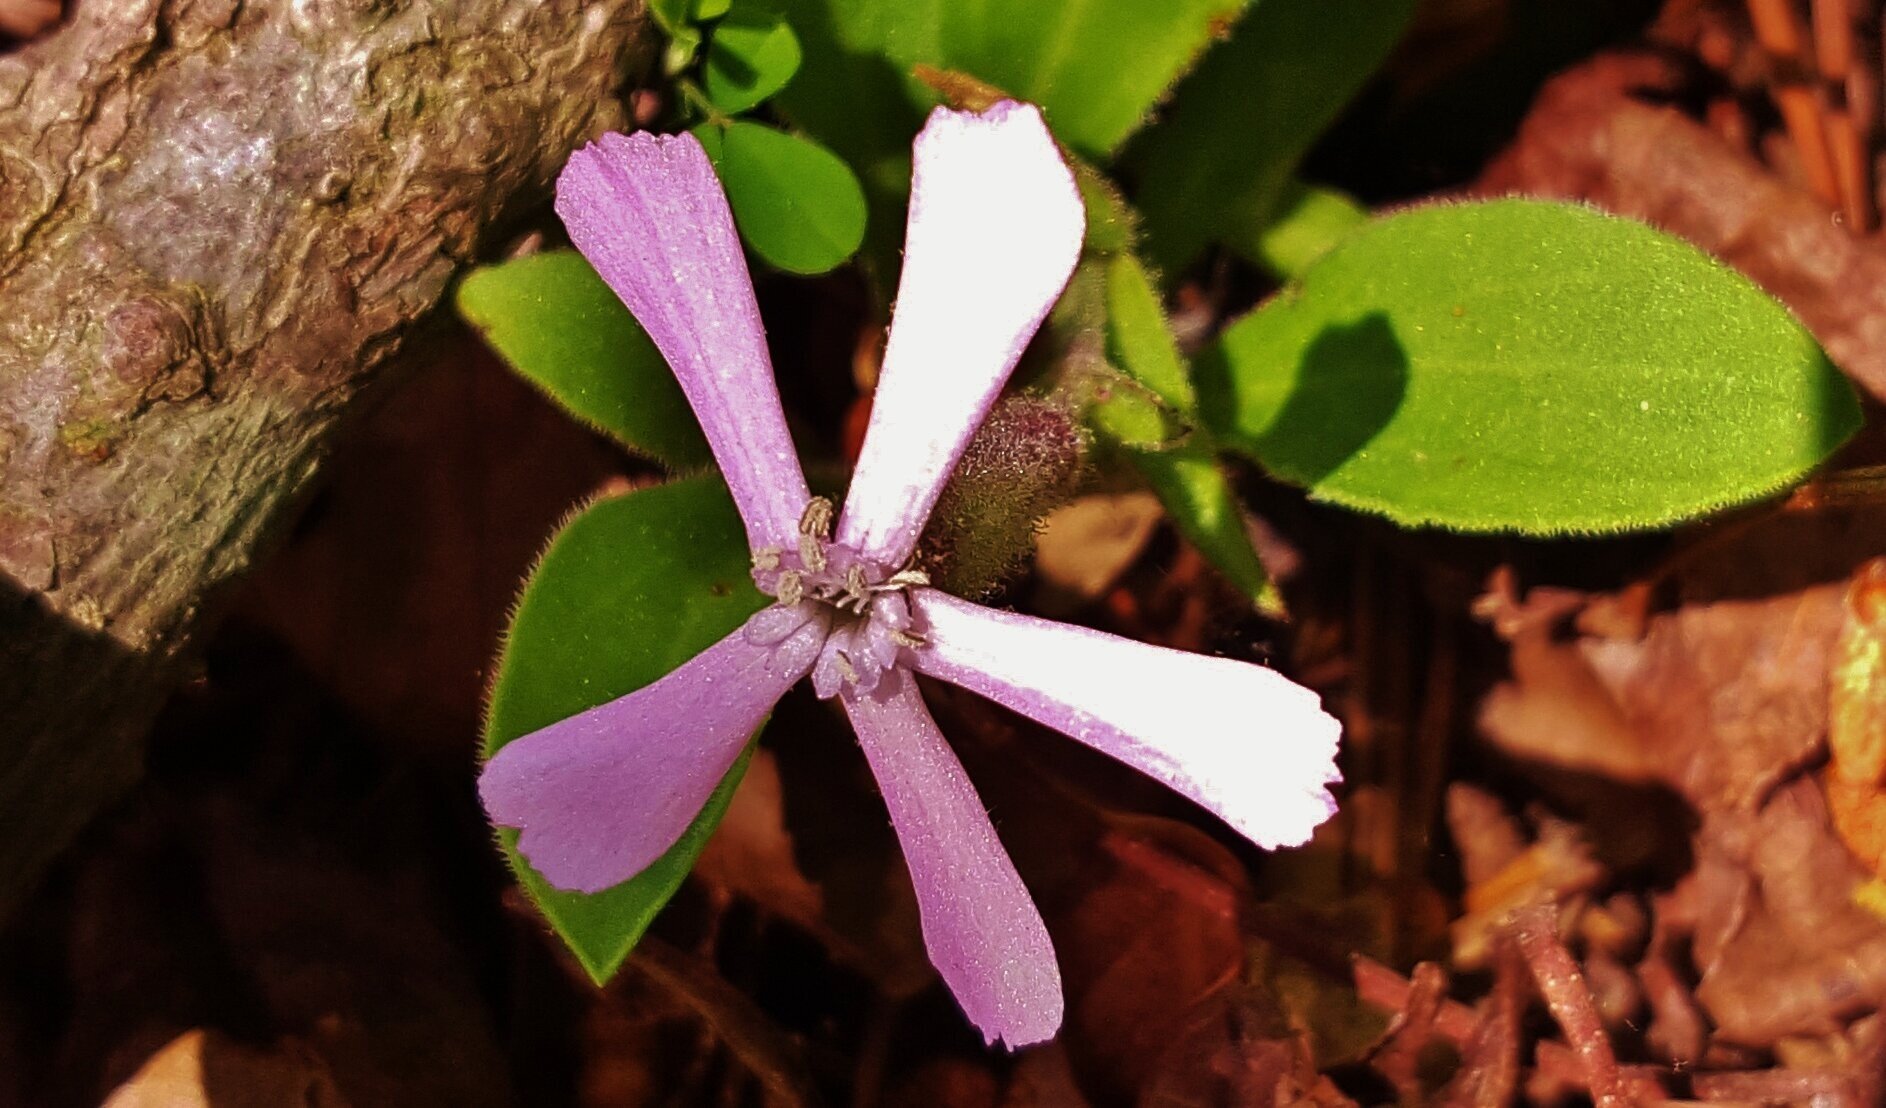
(1024, 462)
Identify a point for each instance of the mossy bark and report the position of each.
(219, 223)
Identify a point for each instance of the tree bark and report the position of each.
(219, 221)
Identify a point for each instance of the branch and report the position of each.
(219, 222)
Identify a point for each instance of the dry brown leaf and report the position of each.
(1239, 1053)
(1856, 725)
(1084, 547)
(207, 1069)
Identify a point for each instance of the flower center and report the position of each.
(858, 607)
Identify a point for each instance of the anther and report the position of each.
(812, 553)
(845, 668)
(791, 588)
(816, 520)
(908, 638)
(766, 559)
(903, 579)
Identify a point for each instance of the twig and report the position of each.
(1536, 930)
(1778, 29)
(1837, 61)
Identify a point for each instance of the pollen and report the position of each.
(859, 603)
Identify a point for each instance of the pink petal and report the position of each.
(602, 794)
(983, 931)
(995, 228)
(1239, 739)
(649, 214)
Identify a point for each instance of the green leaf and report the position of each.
(675, 19)
(706, 10)
(854, 92)
(1238, 126)
(1138, 338)
(551, 318)
(629, 589)
(1308, 223)
(1524, 366)
(752, 56)
(1096, 66)
(1186, 477)
(1144, 402)
(670, 15)
(1195, 492)
(1126, 412)
(796, 203)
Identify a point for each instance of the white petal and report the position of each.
(995, 228)
(1241, 740)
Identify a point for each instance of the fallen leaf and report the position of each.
(207, 1069)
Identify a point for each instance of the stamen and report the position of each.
(766, 558)
(812, 552)
(845, 667)
(908, 638)
(903, 579)
(816, 520)
(791, 588)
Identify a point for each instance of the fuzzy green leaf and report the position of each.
(1525, 366)
(554, 322)
(797, 205)
(630, 588)
(1096, 66)
(1193, 488)
(1308, 223)
(752, 56)
(1217, 163)
(1138, 337)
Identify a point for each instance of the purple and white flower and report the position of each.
(995, 228)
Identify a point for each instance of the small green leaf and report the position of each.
(796, 203)
(670, 15)
(1185, 476)
(1195, 492)
(1138, 339)
(705, 10)
(1112, 228)
(683, 44)
(751, 57)
(1127, 412)
(675, 19)
(551, 319)
(1143, 400)
(1238, 126)
(1308, 223)
(632, 587)
(1525, 366)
